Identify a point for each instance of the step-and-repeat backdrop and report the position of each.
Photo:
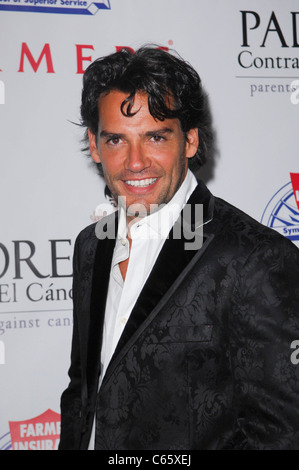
(247, 54)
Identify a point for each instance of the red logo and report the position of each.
(40, 433)
(295, 184)
(45, 56)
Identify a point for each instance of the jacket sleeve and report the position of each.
(71, 397)
(264, 324)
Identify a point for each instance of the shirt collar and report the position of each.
(163, 219)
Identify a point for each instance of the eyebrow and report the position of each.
(161, 131)
(110, 134)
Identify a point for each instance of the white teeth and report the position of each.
(141, 183)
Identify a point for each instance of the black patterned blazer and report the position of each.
(204, 361)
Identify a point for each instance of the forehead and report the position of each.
(111, 102)
(110, 111)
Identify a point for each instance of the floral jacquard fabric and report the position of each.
(205, 359)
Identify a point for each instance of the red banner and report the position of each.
(39, 433)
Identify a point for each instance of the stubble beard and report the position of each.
(138, 210)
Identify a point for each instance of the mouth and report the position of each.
(141, 183)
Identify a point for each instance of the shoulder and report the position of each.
(240, 229)
(86, 237)
(88, 233)
(85, 245)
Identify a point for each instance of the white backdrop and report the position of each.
(247, 54)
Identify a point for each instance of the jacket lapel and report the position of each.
(102, 252)
(173, 264)
(100, 282)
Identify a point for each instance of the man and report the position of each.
(178, 342)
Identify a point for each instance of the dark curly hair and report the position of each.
(161, 75)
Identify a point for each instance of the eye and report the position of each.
(157, 138)
(114, 140)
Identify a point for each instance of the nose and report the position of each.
(136, 160)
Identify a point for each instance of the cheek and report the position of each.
(174, 162)
(109, 163)
(113, 159)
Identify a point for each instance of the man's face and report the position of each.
(144, 160)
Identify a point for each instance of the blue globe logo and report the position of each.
(282, 214)
(5, 442)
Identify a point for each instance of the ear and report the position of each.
(93, 147)
(192, 142)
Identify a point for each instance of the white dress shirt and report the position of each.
(148, 236)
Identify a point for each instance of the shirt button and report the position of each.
(123, 320)
(123, 241)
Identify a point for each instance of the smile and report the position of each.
(141, 183)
